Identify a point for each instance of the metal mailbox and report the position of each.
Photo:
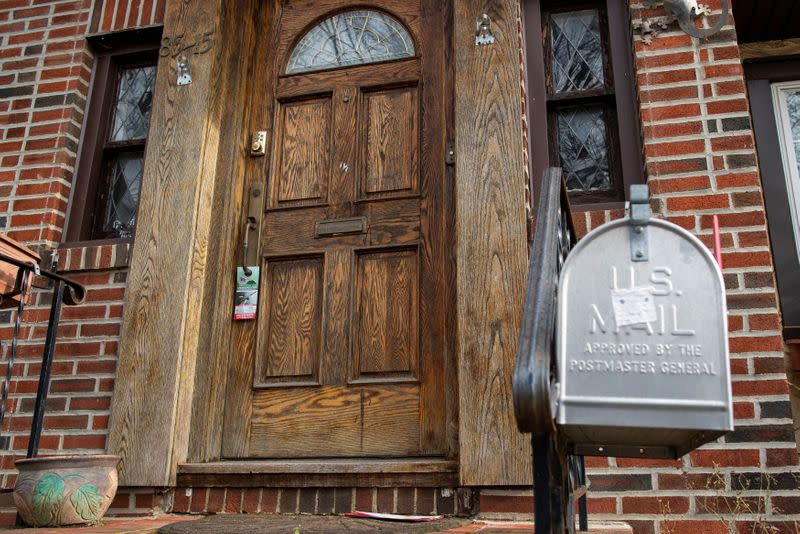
(642, 341)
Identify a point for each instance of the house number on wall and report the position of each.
(175, 46)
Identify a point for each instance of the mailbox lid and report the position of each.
(642, 345)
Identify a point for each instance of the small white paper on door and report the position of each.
(634, 306)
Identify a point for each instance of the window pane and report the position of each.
(351, 38)
(793, 116)
(787, 108)
(122, 196)
(133, 103)
(577, 62)
(583, 148)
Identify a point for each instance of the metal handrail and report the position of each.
(77, 292)
(559, 479)
(554, 234)
(65, 291)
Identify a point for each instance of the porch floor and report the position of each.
(246, 524)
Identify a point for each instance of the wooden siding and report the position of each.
(491, 244)
(169, 329)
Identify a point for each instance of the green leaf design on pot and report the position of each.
(46, 499)
(86, 501)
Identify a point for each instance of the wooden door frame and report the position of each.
(263, 109)
(174, 352)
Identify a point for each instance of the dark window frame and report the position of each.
(760, 76)
(624, 128)
(113, 52)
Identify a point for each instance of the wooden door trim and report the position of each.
(492, 270)
(422, 472)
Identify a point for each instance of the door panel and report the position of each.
(390, 142)
(386, 328)
(292, 341)
(351, 351)
(303, 153)
(337, 421)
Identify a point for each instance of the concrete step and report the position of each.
(245, 524)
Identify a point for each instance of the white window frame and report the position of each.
(790, 162)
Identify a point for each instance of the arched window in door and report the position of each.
(351, 38)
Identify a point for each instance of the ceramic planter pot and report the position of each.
(65, 490)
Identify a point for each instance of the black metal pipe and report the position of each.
(22, 284)
(77, 291)
(583, 505)
(542, 484)
(47, 364)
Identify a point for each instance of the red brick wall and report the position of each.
(45, 71)
(113, 15)
(700, 161)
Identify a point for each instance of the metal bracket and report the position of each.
(483, 31)
(640, 219)
(184, 75)
(450, 153)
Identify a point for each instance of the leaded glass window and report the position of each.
(583, 148)
(108, 178)
(123, 151)
(134, 99)
(577, 51)
(351, 38)
(125, 179)
(581, 101)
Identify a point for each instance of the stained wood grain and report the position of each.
(396, 73)
(383, 349)
(162, 320)
(386, 329)
(335, 465)
(303, 152)
(491, 244)
(242, 30)
(364, 472)
(781, 48)
(292, 341)
(235, 354)
(336, 421)
(391, 159)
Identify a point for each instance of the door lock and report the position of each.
(259, 145)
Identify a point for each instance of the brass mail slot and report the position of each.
(356, 225)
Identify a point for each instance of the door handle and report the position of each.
(251, 223)
(252, 231)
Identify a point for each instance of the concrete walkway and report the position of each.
(307, 524)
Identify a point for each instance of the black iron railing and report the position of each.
(65, 291)
(559, 479)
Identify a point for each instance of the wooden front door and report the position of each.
(349, 354)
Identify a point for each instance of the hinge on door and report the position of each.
(450, 153)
